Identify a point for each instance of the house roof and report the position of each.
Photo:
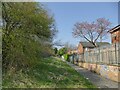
(115, 29)
(90, 45)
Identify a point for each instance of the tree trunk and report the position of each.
(94, 44)
(100, 38)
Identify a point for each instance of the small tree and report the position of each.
(62, 51)
(55, 51)
(92, 31)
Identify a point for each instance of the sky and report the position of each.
(66, 14)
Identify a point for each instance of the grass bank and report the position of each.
(48, 73)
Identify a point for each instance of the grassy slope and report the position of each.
(48, 73)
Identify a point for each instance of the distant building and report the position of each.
(85, 46)
(115, 34)
(72, 51)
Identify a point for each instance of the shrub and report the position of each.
(66, 56)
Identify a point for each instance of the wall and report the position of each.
(80, 49)
(107, 55)
(104, 61)
(107, 71)
(117, 35)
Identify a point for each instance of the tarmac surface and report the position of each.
(99, 81)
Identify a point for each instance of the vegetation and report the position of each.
(66, 57)
(62, 51)
(48, 73)
(28, 31)
(55, 51)
(92, 32)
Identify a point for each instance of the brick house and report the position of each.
(115, 34)
(85, 46)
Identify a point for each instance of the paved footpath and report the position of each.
(94, 78)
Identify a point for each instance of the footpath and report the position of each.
(99, 81)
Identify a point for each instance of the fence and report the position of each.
(109, 54)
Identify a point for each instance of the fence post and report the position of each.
(99, 55)
(115, 53)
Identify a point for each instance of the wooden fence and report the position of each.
(109, 54)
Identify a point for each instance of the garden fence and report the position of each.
(109, 54)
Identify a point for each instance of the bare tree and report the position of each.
(58, 43)
(92, 31)
(69, 46)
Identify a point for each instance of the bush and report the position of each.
(21, 52)
(66, 56)
(26, 36)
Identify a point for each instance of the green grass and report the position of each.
(48, 73)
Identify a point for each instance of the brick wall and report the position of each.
(115, 36)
